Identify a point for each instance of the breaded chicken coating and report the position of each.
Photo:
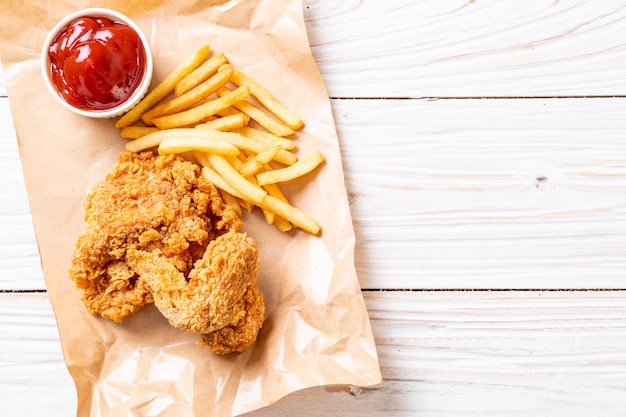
(220, 294)
(158, 207)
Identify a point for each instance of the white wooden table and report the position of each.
(484, 145)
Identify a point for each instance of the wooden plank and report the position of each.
(19, 255)
(33, 376)
(441, 353)
(460, 48)
(486, 193)
(467, 194)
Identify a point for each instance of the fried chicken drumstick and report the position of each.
(156, 231)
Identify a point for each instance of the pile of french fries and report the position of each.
(233, 127)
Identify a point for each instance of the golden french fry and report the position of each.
(244, 143)
(259, 196)
(200, 74)
(197, 114)
(256, 162)
(252, 133)
(134, 132)
(232, 154)
(236, 162)
(241, 187)
(269, 216)
(258, 115)
(298, 169)
(268, 100)
(232, 201)
(291, 214)
(202, 158)
(180, 145)
(164, 88)
(186, 100)
(275, 191)
(282, 224)
(154, 139)
(209, 174)
(145, 142)
(245, 188)
(247, 205)
(227, 123)
(231, 111)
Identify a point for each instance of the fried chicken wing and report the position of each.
(157, 231)
(220, 293)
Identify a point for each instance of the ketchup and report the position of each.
(96, 63)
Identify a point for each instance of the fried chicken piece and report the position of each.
(148, 203)
(220, 297)
(241, 335)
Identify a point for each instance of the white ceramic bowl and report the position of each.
(139, 92)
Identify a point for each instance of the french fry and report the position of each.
(146, 142)
(259, 197)
(268, 100)
(274, 190)
(200, 74)
(227, 123)
(180, 145)
(202, 158)
(231, 111)
(249, 191)
(134, 132)
(234, 156)
(256, 162)
(197, 114)
(209, 174)
(232, 201)
(154, 139)
(298, 169)
(258, 115)
(164, 88)
(269, 216)
(266, 137)
(242, 142)
(186, 100)
(282, 224)
(291, 214)
(237, 163)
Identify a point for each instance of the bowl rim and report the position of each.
(114, 15)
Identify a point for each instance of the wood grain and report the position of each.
(19, 255)
(460, 48)
(467, 48)
(494, 194)
(510, 176)
(455, 353)
(486, 193)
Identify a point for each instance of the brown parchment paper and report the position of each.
(317, 330)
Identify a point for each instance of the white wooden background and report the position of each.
(484, 145)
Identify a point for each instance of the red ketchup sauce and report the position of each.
(96, 63)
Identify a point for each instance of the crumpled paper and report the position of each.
(317, 331)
